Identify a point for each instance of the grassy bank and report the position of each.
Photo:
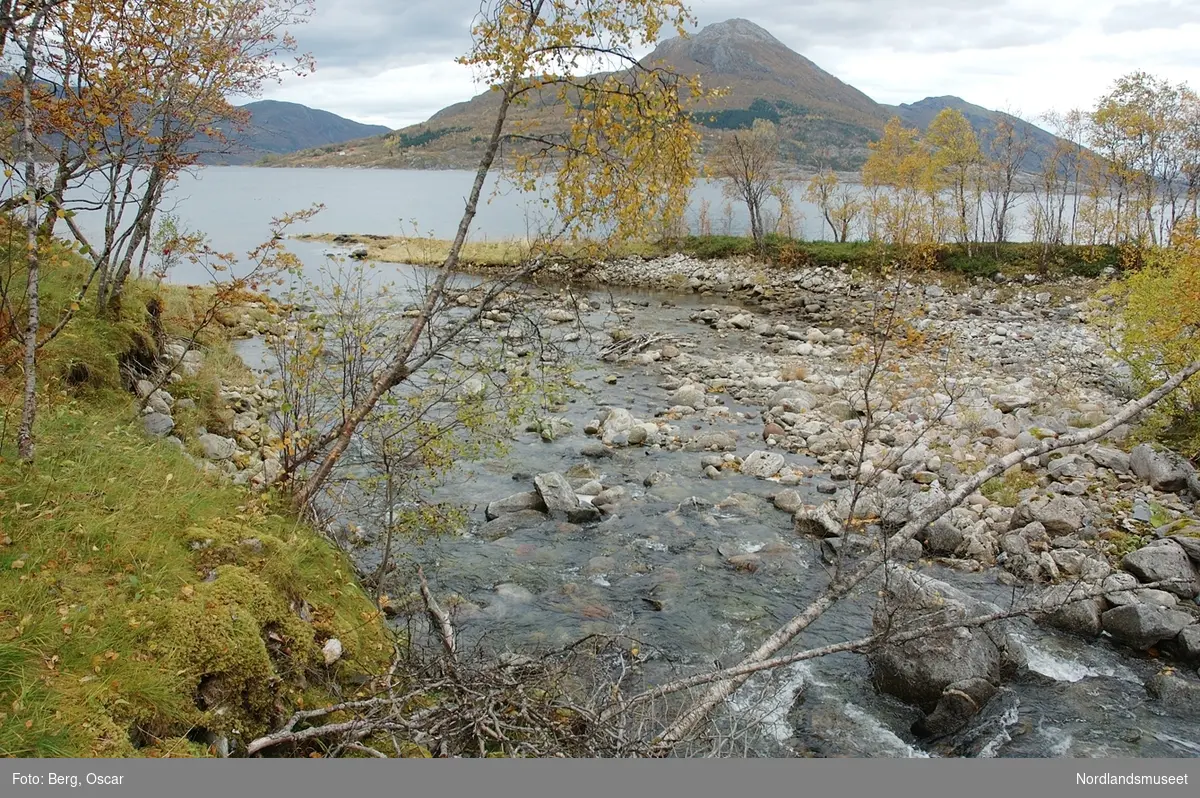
(981, 260)
(144, 607)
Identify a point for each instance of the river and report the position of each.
(657, 570)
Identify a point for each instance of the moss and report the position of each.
(111, 641)
(238, 642)
(1006, 490)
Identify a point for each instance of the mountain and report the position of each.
(824, 120)
(279, 127)
(983, 120)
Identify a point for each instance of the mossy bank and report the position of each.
(148, 608)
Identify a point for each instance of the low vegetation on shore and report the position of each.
(145, 607)
(1010, 259)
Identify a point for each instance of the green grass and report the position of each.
(984, 260)
(1005, 490)
(142, 602)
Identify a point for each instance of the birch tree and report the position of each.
(620, 161)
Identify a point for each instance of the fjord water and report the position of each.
(234, 206)
(667, 584)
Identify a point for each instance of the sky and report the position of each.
(391, 62)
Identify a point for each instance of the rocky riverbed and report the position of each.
(674, 500)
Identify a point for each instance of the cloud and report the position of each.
(375, 35)
(1153, 15)
(901, 25)
(391, 61)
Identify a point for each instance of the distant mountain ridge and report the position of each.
(824, 121)
(983, 120)
(277, 127)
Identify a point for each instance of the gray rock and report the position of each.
(561, 502)
(1187, 642)
(216, 447)
(788, 500)
(618, 422)
(1190, 546)
(158, 424)
(1163, 560)
(1072, 614)
(506, 524)
(1122, 589)
(763, 465)
(1179, 695)
(529, 500)
(712, 439)
(1141, 626)
(1160, 470)
(943, 537)
(1061, 515)
(1112, 459)
(689, 396)
(609, 497)
(958, 703)
(143, 388)
(920, 671)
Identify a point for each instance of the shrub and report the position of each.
(1161, 329)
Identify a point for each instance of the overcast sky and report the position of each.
(390, 62)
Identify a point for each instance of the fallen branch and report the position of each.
(441, 620)
(840, 587)
(868, 642)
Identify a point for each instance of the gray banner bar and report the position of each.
(855, 778)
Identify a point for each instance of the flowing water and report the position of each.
(656, 571)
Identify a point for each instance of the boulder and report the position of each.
(1187, 643)
(943, 537)
(561, 502)
(1141, 625)
(159, 425)
(788, 500)
(958, 703)
(1163, 560)
(763, 465)
(511, 522)
(926, 670)
(1190, 546)
(1160, 470)
(1069, 613)
(689, 396)
(1061, 515)
(720, 440)
(618, 422)
(217, 447)
(1112, 459)
(1178, 695)
(529, 500)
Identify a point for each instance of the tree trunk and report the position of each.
(397, 370)
(140, 233)
(29, 394)
(842, 585)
